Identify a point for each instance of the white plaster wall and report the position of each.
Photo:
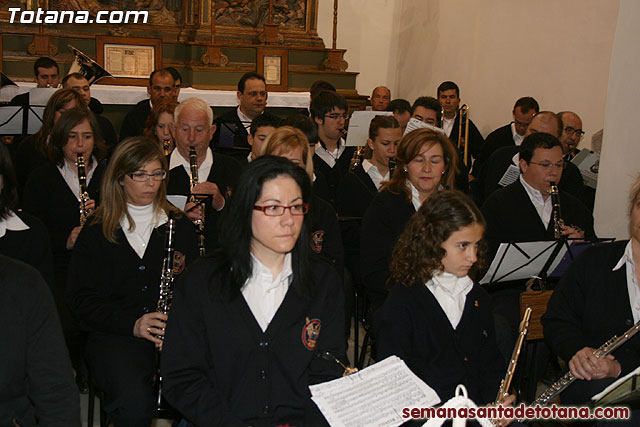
(496, 50)
(619, 163)
(366, 28)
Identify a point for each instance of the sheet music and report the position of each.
(510, 176)
(177, 200)
(417, 124)
(522, 261)
(374, 396)
(359, 126)
(588, 162)
(10, 120)
(615, 384)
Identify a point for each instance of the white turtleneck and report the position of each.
(451, 293)
(144, 221)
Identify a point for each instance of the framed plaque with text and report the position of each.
(273, 65)
(129, 60)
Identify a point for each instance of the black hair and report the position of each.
(305, 124)
(325, 102)
(320, 85)
(429, 103)
(260, 121)
(381, 122)
(44, 62)
(247, 76)
(399, 106)
(236, 230)
(161, 72)
(537, 140)
(76, 76)
(448, 85)
(9, 193)
(175, 74)
(527, 104)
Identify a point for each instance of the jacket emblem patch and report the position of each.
(317, 238)
(178, 262)
(310, 333)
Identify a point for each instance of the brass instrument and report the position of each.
(193, 163)
(463, 137)
(604, 350)
(86, 66)
(556, 215)
(357, 158)
(83, 197)
(347, 370)
(166, 147)
(503, 391)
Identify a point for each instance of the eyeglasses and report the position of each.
(571, 131)
(278, 210)
(336, 116)
(144, 177)
(548, 166)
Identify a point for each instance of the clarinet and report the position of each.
(83, 197)
(568, 378)
(193, 162)
(166, 146)
(164, 303)
(556, 215)
(392, 166)
(166, 279)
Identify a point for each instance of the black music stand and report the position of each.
(20, 119)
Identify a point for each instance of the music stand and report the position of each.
(623, 392)
(20, 120)
(523, 260)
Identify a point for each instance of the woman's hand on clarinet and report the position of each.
(90, 205)
(150, 326)
(572, 232)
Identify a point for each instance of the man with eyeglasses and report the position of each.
(572, 133)
(332, 158)
(513, 133)
(232, 127)
(160, 87)
(502, 167)
(217, 174)
(522, 211)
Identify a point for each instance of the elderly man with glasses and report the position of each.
(572, 134)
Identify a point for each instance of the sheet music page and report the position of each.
(12, 120)
(589, 163)
(417, 124)
(615, 384)
(373, 396)
(522, 263)
(510, 176)
(177, 200)
(359, 126)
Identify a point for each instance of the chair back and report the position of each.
(538, 301)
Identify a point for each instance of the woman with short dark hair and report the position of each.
(248, 325)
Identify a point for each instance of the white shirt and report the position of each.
(517, 139)
(244, 119)
(263, 293)
(415, 196)
(12, 223)
(374, 173)
(330, 157)
(543, 207)
(632, 280)
(71, 176)
(176, 160)
(451, 293)
(144, 220)
(447, 124)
